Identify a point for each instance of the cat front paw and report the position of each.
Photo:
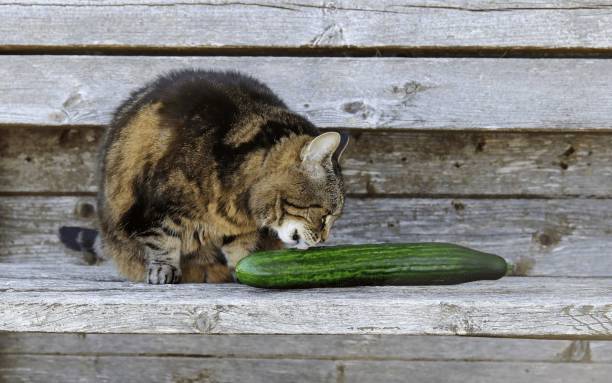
(163, 273)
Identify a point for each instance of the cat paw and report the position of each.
(162, 273)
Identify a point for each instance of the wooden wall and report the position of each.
(483, 123)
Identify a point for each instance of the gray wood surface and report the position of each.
(479, 372)
(549, 237)
(63, 160)
(406, 93)
(39, 368)
(78, 275)
(543, 237)
(509, 307)
(337, 347)
(307, 23)
(48, 159)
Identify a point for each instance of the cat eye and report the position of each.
(295, 210)
(293, 205)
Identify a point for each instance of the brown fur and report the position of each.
(197, 168)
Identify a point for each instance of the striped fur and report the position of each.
(199, 168)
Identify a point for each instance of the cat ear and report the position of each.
(321, 147)
(344, 140)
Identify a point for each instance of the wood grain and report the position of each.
(543, 237)
(49, 159)
(404, 24)
(38, 368)
(509, 307)
(58, 293)
(479, 372)
(30, 228)
(337, 347)
(401, 93)
(63, 160)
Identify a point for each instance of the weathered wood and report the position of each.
(600, 351)
(337, 347)
(29, 227)
(478, 372)
(38, 368)
(467, 163)
(78, 275)
(510, 307)
(307, 23)
(48, 159)
(545, 237)
(407, 93)
(36, 159)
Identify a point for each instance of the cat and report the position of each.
(200, 168)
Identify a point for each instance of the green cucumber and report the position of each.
(378, 264)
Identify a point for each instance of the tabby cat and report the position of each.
(200, 168)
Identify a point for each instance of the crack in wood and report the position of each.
(152, 4)
(332, 34)
(502, 9)
(586, 311)
(455, 8)
(325, 7)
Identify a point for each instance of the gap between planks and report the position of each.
(525, 52)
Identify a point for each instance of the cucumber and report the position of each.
(378, 264)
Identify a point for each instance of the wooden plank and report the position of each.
(37, 159)
(488, 163)
(543, 237)
(35, 368)
(30, 228)
(38, 368)
(48, 160)
(403, 93)
(337, 347)
(307, 23)
(78, 275)
(600, 351)
(479, 372)
(509, 307)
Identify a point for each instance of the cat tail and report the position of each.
(82, 239)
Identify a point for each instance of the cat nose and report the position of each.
(324, 235)
(296, 236)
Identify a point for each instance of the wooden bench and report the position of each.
(486, 124)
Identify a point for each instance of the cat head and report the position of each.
(304, 196)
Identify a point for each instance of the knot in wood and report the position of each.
(205, 322)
